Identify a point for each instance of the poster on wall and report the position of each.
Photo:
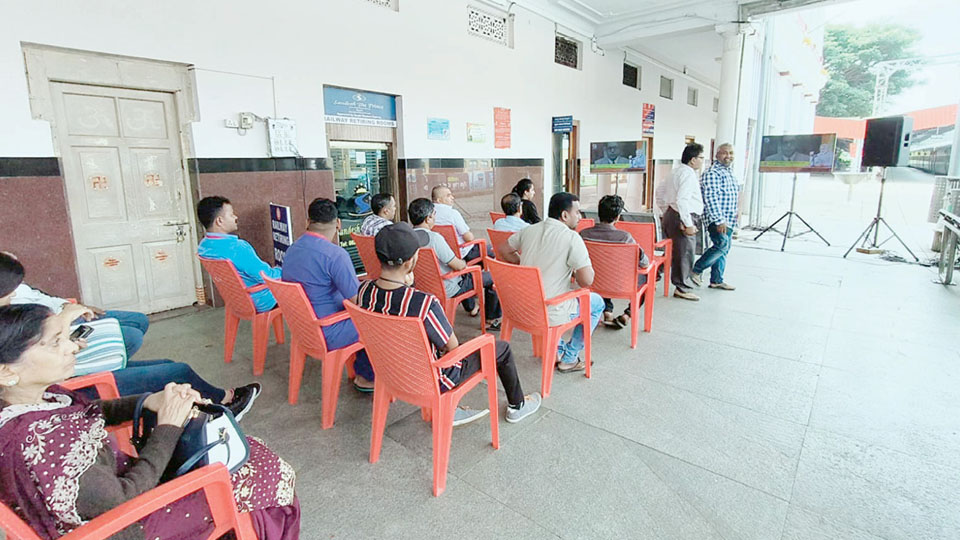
(620, 156)
(359, 108)
(282, 231)
(438, 129)
(649, 115)
(476, 133)
(798, 153)
(501, 127)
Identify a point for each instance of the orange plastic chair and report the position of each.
(368, 254)
(525, 308)
(613, 279)
(407, 370)
(494, 216)
(239, 306)
(498, 238)
(106, 387)
(450, 235)
(306, 338)
(427, 277)
(585, 223)
(646, 235)
(213, 480)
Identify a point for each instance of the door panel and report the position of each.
(143, 119)
(157, 195)
(102, 184)
(90, 115)
(116, 275)
(167, 267)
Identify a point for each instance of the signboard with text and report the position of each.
(356, 107)
(501, 127)
(562, 124)
(649, 115)
(282, 231)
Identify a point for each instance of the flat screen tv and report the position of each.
(798, 153)
(614, 157)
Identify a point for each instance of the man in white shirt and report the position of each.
(680, 200)
(448, 215)
(512, 206)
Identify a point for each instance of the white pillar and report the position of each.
(736, 76)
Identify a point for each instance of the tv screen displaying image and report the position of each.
(623, 156)
(798, 153)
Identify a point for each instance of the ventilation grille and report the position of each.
(496, 28)
(666, 87)
(631, 76)
(692, 96)
(567, 52)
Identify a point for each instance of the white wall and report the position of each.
(422, 53)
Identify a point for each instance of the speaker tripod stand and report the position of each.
(789, 215)
(874, 227)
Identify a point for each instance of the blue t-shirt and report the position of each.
(325, 271)
(245, 260)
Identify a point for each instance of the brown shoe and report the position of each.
(579, 365)
(723, 286)
(686, 295)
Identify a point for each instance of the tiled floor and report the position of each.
(819, 400)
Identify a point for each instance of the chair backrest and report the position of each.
(366, 247)
(498, 238)
(614, 266)
(450, 235)
(230, 286)
(494, 216)
(298, 313)
(426, 274)
(644, 233)
(585, 223)
(520, 290)
(400, 353)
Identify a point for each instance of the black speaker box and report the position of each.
(887, 142)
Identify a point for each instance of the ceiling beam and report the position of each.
(688, 17)
(759, 8)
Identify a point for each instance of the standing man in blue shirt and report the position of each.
(720, 195)
(216, 215)
(324, 270)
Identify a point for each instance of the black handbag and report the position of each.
(211, 435)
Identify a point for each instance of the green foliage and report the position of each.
(848, 54)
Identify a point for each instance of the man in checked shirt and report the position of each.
(720, 193)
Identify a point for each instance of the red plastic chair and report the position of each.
(613, 279)
(427, 277)
(450, 235)
(368, 254)
(525, 308)
(494, 216)
(306, 338)
(585, 223)
(498, 238)
(407, 370)
(646, 235)
(106, 387)
(239, 306)
(213, 480)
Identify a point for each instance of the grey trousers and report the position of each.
(684, 249)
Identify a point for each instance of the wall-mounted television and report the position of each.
(615, 157)
(798, 153)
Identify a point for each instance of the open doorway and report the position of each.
(566, 162)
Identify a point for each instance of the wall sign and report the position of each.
(282, 231)
(356, 107)
(649, 115)
(501, 127)
(476, 133)
(562, 124)
(438, 129)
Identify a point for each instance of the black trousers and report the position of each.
(506, 371)
(491, 302)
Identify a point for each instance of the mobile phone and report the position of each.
(81, 332)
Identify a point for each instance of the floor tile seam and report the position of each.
(504, 504)
(740, 311)
(712, 342)
(680, 459)
(547, 412)
(833, 519)
(870, 444)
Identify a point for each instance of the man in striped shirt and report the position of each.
(392, 294)
(720, 194)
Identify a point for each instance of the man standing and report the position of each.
(324, 270)
(680, 199)
(384, 208)
(720, 194)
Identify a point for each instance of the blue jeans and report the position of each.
(343, 334)
(133, 326)
(567, 351)
(715, 258)
(140, 377)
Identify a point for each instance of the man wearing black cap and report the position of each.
(396, 247)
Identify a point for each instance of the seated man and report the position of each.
(557, 250)
(422, 215)
(217, 217)
(448, 215)
(324, 269)
(397, 250)
(609, 210)
(384, 208)
(512, 206)
(138, 376)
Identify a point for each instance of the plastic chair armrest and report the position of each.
(467, 270)
(464, 350)
(567, 296)
(334, 318)
(255, 288)
(104, 383)
(211, 476)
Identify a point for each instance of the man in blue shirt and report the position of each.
(720, 195)
(324, 270)
(512, 206)
(217, 217)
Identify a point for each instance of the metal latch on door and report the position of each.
(181, 229)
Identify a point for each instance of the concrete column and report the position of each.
(729, 82)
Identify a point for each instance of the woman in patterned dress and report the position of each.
(58, 469)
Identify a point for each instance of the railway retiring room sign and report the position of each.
(359, 108)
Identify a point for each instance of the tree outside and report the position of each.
(849, 52)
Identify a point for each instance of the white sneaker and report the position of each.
(686, 295)
(696, 278)
(464, 416)
(531, 404)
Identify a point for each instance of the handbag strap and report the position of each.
(189, 463)
(139, 439)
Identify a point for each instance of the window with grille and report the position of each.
(567, 52)
(389, 4)
(666, 87)
(631, 75)
(716, 104)
(692, 96)
(497, 28)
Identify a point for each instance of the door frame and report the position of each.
(46, 64)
